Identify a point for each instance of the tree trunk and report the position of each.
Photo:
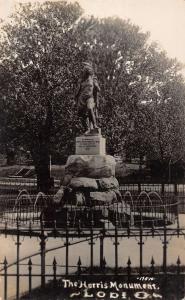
(42, 169)
(41, 153)
(10, 157)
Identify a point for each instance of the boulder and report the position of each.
(108, 183)
(103, 197)
(66, 180)
(83, 183)
(58, 196)
(91, 166)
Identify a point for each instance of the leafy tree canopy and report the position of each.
(142, 91)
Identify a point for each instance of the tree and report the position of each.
(41, 55)
(167, 139)
(38, 57)
(142, 91)
(8, 140)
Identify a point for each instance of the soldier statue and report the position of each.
(87, 98)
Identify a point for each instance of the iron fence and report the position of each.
(90, 236)
(9, 185)
(81, 272)
(161, 188)
(148, 208)
(142, 213)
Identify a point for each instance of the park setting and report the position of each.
(92, 153)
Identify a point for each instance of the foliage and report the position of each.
(38, 58)
(142, 93)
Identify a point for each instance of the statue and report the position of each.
(87, 98)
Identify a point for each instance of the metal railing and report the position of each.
(89, 236)
(146, 208)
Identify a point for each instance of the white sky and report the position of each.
(165, 19)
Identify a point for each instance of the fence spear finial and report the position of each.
(54, 261)
(152, 261)
(152, 265)
(178, 265)
(30, 262)
(129, 262)
(104, 261)
(79, 266)
(178, 261)
(79, 261)
(5, 261)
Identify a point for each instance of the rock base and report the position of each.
(90, 166)
(90, 179)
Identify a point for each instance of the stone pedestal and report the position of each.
(90, 173)
(90, 145)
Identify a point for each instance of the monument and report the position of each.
(90, 173)
(87, 98)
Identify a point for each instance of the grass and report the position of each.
(6, 171)
(57, 171)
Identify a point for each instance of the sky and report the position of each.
(165, 19)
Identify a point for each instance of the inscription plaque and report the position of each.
(90, 145)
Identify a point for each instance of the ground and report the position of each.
(170, 287)
(57, 171)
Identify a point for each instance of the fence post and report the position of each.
(5, 278)
(141, 243)
(5, 229)
(175, 189)
(55, 228)
(153, 229)
(30, 229)
(17, 263)
(103, 265)
(91, 247)
(152, 266)
(43, 254)
(162, 188)
(54, 271)
(116, 243)
(30, 275)
(165, 243)
(128, 229)
(178, 282)
(139, 187)
(178, 265)
(101, 250)
(129, 268)
(67, 245)
(79, 270)
(79, 227)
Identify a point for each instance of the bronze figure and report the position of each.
(87, 98)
